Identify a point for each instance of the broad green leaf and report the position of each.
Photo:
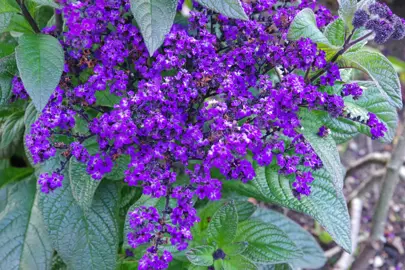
(229, 8)
(223, 225)
(266, 243)
(5, 88)
(40, 60)
(335, 32)
(304, 26)
(19, 24)
(84, 240)
(380, 69)
(235, 248)
(325, 147)
(83, 186)
(155, 19)
(8, 6)
(120, 165)
(325, 204)
(238, 262)
(281, 266)
(347, 8)
(201, 255)
(49, 3)
(12, 129)
(24, 242)
(244, 209)
(13, 174)
(312, 254)
(5, 19)
(8, 65)
(343, 129)
(105, 98)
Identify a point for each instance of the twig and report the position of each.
(373, 158)
(346, 260)
(366, 185)
(391, 180)
(28, 16)
(58, 21)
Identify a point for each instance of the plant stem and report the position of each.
(58, 21)
(345, 48)
(391, 180)
(28, 16)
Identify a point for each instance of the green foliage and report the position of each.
(155, 18)
(24, 241)
(40, 60)
(347, 8)
(201, 255)
(222, 228)
(229, 8)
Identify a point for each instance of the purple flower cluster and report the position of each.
(203, 103)
(380, 20)
(377, 128)
(18, 89)
(50, 182)
(352, 89)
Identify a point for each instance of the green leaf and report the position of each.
(40, 60)
(229, 8)
(235, 248)
(380, 69)
(244, 209)
(325, 204)
(8, 6)
(363, 4)
(238, 262)
(266, 243)
(281, 266)
(201, 255)
(343, 129)
(82, 185)
(325, 147)
(24, 242)
(223, 226)
(19, 24)
(105, 98)
(5, 88)
(5, 19)
(8, 65)
(155, 19)
(12, 129)
(120, 165)
(13, 174)
(49, 3)
(347, 8)
(304, 26)
(84, 240)
(312, 254)
(335, 32)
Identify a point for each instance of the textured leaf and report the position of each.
(8, 65)
(347, 8)
(5, 19)
(238, 262)
(83, 240)
(324, 204)
(40, 60)
(335, 32)
(235, 248)
(363, 4)
(8, 6)
(325, 147)
(49, 3)
(304, 26)
(343, 129)
(201, 255)
(281, 266)
(5, 88)
(12, 129)
(313, 255)
(155, 18)
(83, 186)
(24, 243)
(13, 174)
(19, 24)
(244, 209)
(380, 69)
(120, 165)
(229, 8)
(223, 225)
(266, 243)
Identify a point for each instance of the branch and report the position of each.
(366, 185)
(391, 180)
(28, 16)
(372, 158)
